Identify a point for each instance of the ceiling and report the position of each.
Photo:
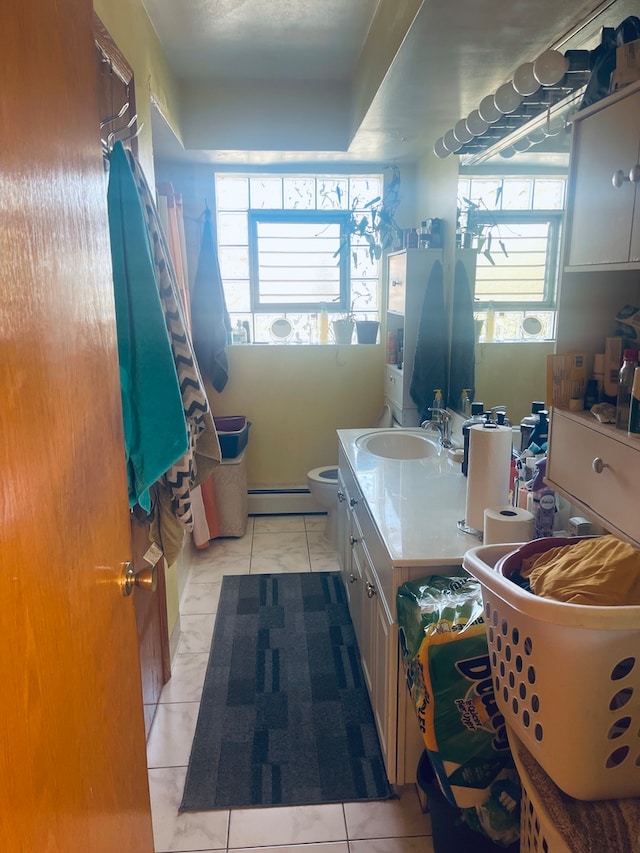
(348, 81)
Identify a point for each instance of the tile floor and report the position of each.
(271, 544)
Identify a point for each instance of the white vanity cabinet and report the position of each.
(408, 272)
(371, 579)
(604, 200)
(595, 466)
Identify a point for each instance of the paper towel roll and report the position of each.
(507, 524)
(488, 474)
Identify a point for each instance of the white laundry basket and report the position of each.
(566, 677)
(537, 831)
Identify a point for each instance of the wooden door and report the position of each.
(72, 748)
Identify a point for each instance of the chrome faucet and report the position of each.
(440, 421)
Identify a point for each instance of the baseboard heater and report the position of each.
(283, 500)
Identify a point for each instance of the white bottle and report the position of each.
(239, 334)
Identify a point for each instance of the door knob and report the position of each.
(619, 178)
(146, 578)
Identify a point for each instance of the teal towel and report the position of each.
(155, 431)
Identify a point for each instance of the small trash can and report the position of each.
(230, 482)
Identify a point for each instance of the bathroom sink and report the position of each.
(397, 444)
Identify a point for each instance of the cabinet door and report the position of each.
(397, 283)
(602, 215)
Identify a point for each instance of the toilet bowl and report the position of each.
(323, 485)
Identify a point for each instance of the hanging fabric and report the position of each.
(209, 316)
(171, 216)
(183, 474)
(463, 348)
(429, 370)
(148, 378)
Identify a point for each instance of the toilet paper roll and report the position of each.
(507, 524)
(488, 473)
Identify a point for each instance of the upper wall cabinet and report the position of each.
(604, 218)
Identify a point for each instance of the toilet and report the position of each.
(323, 484)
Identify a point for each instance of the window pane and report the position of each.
(232, 193)
(234, 262)
(238, 295)
(364, 295)
(362, 191)
(548, 194)
(333, 193)
(486, 193)
(232, 229)
(519, 275)
(516, 195)
(266, 193)
(296, 262)
(299, 193)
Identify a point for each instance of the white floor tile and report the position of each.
(286, 825)
(196, 632)
(333, 847)
(278, 524)
(203, 831)
(225, 564)
(187, 678)
(200, 598)
(274, 553)
(396, 818)
(171, 735)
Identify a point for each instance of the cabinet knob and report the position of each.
(598, 465)
(396, 283)
(634, 174)
(341, 496)
(353, 502)
(371, 590)
(352, 540)
(619, 178)
(352, 578)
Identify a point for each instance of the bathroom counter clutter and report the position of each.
(415, 503)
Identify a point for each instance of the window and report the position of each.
(296, 261)
(285, 249)
(515, 225)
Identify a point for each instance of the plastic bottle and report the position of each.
(529, 422)
(543, 502)
(477, 417)
(423, 235)
(239, 334)
(323, 325)
(625, 385)
(540, 433)
(437, 400)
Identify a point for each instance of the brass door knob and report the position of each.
(146, 578)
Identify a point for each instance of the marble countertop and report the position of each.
(415, 503)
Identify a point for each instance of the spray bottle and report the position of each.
(543, 501)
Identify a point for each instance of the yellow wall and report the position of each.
(296, 398)
(127, 23)
(513, 375)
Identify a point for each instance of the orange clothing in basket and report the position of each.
(601, 571)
